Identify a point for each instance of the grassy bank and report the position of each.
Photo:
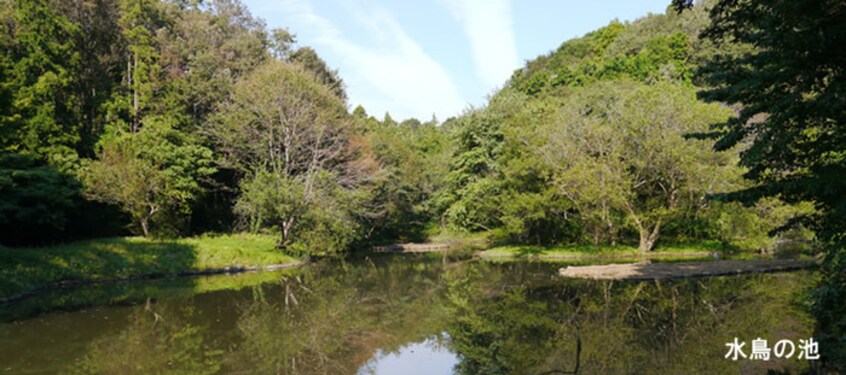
(27, 269)
(695, 249)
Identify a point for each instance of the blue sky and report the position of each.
(425, 57)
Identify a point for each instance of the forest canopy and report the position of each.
(173, 118)
(719, 120)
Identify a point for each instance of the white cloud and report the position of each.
(392, 73)
(489, 29)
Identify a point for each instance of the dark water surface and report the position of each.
(405, 315)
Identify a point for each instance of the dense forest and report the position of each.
(719, 120)
(177, 118)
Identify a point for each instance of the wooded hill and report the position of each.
(174, 118)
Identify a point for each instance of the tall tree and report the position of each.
(791, 88)
(208, 48)
(474, 178)
(308, 57)
(101, 51)
(619, 150)
(139, 21)
(292, 136)
(414, 158)
(40, 64)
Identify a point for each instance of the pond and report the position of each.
(406, 314)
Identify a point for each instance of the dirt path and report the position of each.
(655, 271)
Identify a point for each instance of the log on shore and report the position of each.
(411, 248)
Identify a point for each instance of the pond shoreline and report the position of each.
(411, 248)
(651, 255)
(663, 271)
(25, 270)
(205, 272)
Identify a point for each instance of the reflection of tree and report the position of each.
(502, 325)
(155, 341)
(332, 318)
(324, 319)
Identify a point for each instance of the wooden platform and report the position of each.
(657, 271)
(411, 248)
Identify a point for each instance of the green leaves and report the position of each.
(39, 75)
(35, 196)
(619, 153)
(790, 87)
(157, 169)
(291, 136)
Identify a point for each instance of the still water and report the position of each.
(405, 315)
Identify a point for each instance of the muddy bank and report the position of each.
(655, 271)
(411, 248)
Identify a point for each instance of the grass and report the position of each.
(27, 269)
(131, 293)
(460, 241)
(590, 251)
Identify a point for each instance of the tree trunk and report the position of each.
(648, 238)
(286, 233)
(135, 101)
(645, 243)
(597, 237)
(145, 226)
(145, 220)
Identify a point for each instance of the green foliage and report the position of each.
(73, 76)
(307, 173)
(751, 227)
(321, 224)
(790, 88)
(39, 68)
(620, 154)
(653, 48)
(152, 85)
(413, 157)
(307, 57)
(145, 173)
(473, 180)
(507, 174)
(206, 50)
(37, 199)
(662, 58)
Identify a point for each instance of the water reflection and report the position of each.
(395, 314)
(579, 326)
(431, 356)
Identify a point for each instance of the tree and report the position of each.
(791, 88)
(158, 169)
(119, 178)
(139, 21)
(619, 152)
(37, 199)
(312, 62)
(413, 157)
(40, 63)
(207, 49)
(286, 130)
(474, 178)
(283, 43)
